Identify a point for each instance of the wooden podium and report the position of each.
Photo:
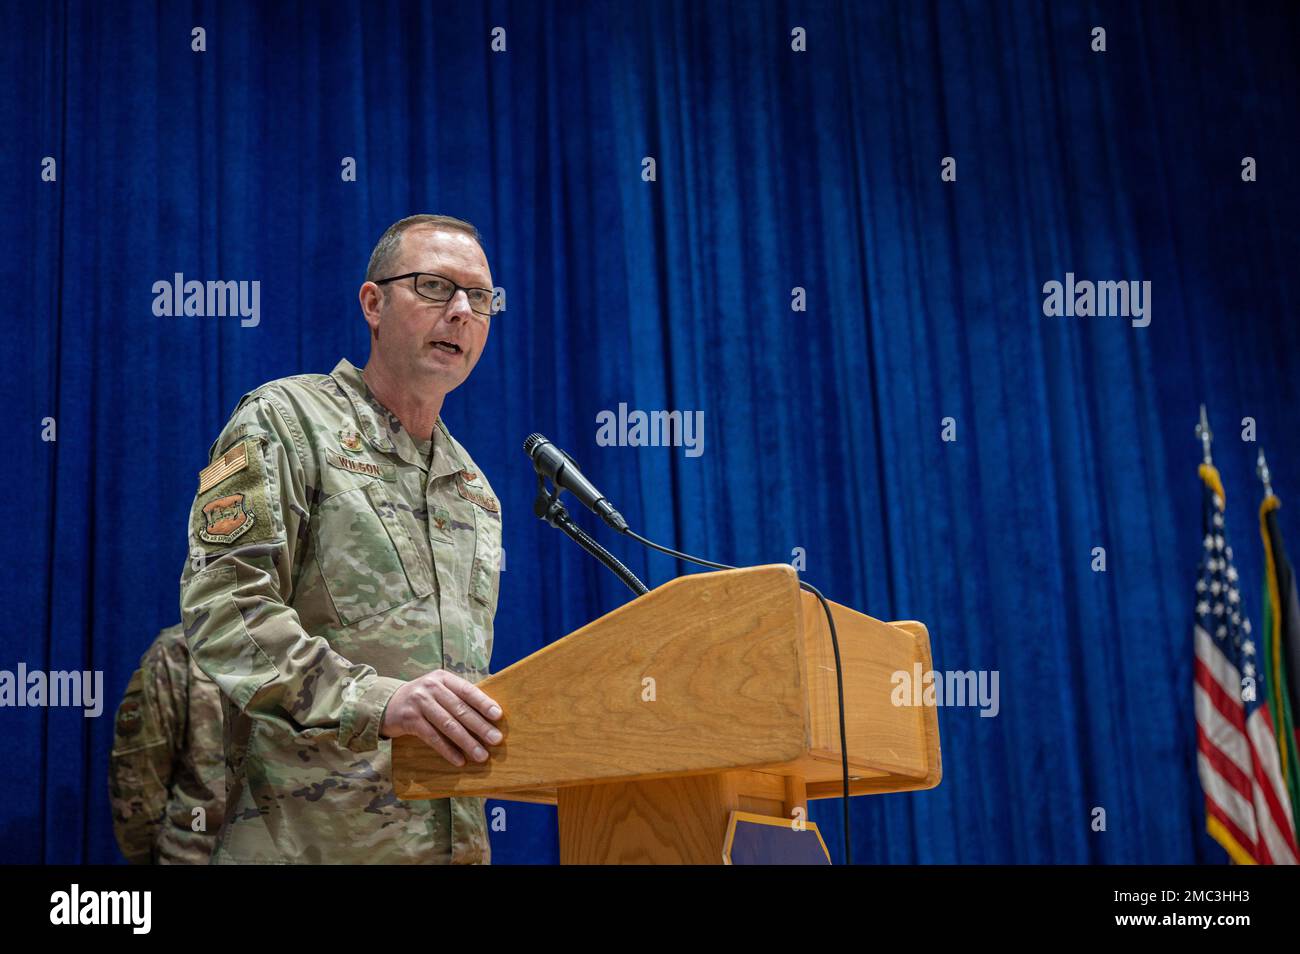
(711, 694)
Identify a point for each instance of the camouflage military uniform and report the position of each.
(334, 556)
(167, 759)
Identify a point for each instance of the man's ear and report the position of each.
(372, 299)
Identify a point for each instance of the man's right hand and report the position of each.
(449, 713)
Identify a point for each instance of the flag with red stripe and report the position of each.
(1247, 808)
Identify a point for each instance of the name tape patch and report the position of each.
(368, 468)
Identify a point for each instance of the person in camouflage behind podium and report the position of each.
(343, 577)
(166, 774)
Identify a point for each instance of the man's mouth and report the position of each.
(448, 346)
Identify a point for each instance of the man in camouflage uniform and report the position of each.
(166, 776)
(343, 577)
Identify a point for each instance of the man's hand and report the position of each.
(447, 712)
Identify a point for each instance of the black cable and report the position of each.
(839, 672)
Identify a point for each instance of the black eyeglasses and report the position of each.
(441, 289)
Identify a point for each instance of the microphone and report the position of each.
(561, 469)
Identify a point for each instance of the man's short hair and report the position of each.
(384, 258)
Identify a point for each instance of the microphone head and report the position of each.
(534, 441)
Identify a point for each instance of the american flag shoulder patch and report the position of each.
(228, 464)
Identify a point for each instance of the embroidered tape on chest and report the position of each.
(368, 468)
(486, 501)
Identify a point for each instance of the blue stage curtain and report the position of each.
(775, 169)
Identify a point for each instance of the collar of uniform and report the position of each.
(446, 459)
(384, 432)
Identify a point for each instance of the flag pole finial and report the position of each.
(1261, 468)
(1203, 432)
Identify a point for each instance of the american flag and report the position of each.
(1246, 804)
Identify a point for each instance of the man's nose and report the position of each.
(458, 305)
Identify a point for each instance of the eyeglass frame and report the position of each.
(454, 288)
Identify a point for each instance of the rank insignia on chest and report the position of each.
(226, 519)
(350, 441)
(441, 517)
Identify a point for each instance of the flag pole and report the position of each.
(1261, 468)
(1203, 432)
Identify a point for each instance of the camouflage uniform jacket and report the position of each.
(334, 556)
(167, 763)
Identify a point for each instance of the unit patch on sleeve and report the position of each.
(226, 519)
(232, 501)
(128, 718)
